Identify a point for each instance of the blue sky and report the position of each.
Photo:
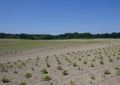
(59, 16)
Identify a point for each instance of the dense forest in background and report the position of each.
(74, 35)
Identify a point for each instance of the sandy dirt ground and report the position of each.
(85, 64)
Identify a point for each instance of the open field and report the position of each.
(60, 62)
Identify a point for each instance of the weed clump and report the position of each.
(4, 68)
(38, 58)
(47, 77)
(93, 77)
(22, 83)
(28, 75)
(72, 83)
(59, 67)
(5, 80)
(107, 72)
(85, 62)
(47, 64)
(92, 65)
(44, 71)
(101, 62)
(15, 72)
(64, 72)
(110, 59)
(117, 71)
(74, 64)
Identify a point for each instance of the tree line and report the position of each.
(74, 35)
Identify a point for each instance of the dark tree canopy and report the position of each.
(75, 35)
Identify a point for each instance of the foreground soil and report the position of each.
(81, 64)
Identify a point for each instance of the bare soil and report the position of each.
(87, 71)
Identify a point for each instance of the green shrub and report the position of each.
(101, 58)
(47, 64)
(4, 68)
(19, 66)
(85, 62)
(93, 77)
(91, 82)
(118, 58)
(117, 70)
(23, 64)
(64, 72)
(88, 54)
(58, 61)
(78, 67)
(44, 71)
(19, 60)
(74, 64)
(101, 62)
(5, 80)
(32, 68)
(93, 60)
(22, 83)
(106, 71)
(29, 59)
(92, 65)
(72, 83)
(10, 65)
(28, 75)
(8, 62)
(79, 59)
(15, 63)
(15, 72)
(110, 59)
(47, 77)
(38, 58)
(59, 67)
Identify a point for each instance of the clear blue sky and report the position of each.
(59, 16)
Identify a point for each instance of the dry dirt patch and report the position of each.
(75, 64)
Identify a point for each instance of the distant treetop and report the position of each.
(75, 35)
